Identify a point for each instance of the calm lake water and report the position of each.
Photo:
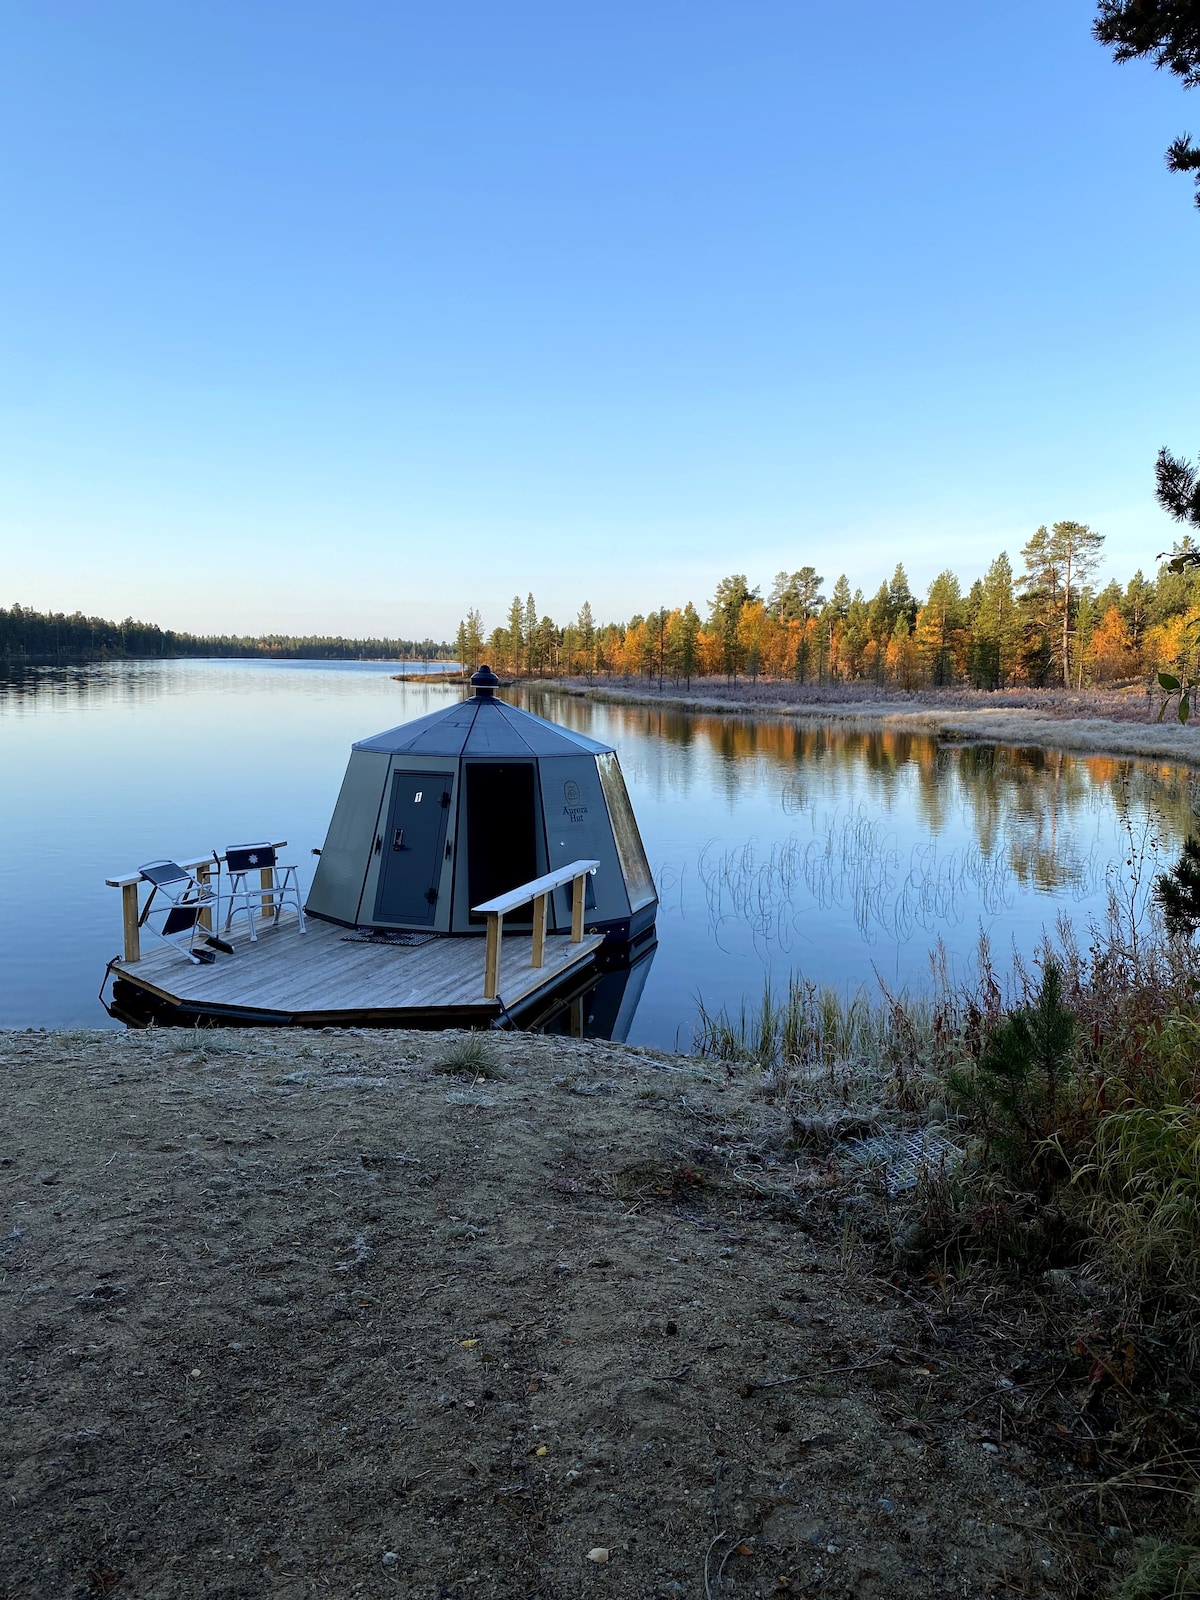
(776, 847)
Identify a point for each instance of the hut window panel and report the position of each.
(635, 869)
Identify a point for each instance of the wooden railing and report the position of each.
(539, 891)
(202, 867)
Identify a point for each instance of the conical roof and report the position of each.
(482, 727)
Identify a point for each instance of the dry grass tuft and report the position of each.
(1160, 1571)
(469, 1057)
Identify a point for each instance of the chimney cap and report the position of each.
(484, 682)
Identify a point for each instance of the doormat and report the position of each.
(386, 936)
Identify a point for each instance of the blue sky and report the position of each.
(346, 317)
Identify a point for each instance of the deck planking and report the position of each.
(322, 973)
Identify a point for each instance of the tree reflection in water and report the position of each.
(1038, 820)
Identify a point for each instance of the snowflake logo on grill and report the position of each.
(253, 860)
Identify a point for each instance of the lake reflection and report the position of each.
(777, 846)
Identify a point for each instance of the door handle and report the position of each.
(398, 839)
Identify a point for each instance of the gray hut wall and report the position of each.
(578, 829)
(441, 766)
(346, 855)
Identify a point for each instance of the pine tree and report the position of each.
(796, 596)
(856, 635)
(515, 639)
(1136, 605)
(1075, 548)
(689, 634)
(474, 638)
(531, 633)
(901, 600)
(1178, 892)
(1168, 32)
(731, 595)
(880, 623)
(940, 628)
(1041, 587)
(586, 623)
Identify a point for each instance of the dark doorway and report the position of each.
(501, 829)
(412, 847)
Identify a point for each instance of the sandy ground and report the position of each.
(1092, 722)
(305, 1314)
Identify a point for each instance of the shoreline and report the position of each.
(464, 681)
(1013, 725)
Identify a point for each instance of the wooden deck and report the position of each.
(321, 978)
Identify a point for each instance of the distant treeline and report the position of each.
(1047, 624)
(40, 638)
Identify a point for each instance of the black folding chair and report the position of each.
(183, 901)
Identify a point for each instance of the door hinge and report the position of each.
(431, 895)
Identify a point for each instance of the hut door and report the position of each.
(412, 846)
(502, 823)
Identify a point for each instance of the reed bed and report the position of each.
(851, 860)
(810, 1042)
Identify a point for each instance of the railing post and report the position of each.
(202, 879)
(129, 917)
(491, 955)
(577, 893)
(539, 931)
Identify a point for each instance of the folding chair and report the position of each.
(185, 901)
(245, 862)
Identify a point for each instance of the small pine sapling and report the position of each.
(1014, 1087)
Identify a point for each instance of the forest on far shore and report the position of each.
(1047, 625)
(38, 638)
(1044, 626)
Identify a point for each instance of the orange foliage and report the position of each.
(1113, 654)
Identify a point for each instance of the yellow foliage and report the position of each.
(1113, 654)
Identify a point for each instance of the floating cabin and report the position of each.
(482, 866)
(445, 813)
